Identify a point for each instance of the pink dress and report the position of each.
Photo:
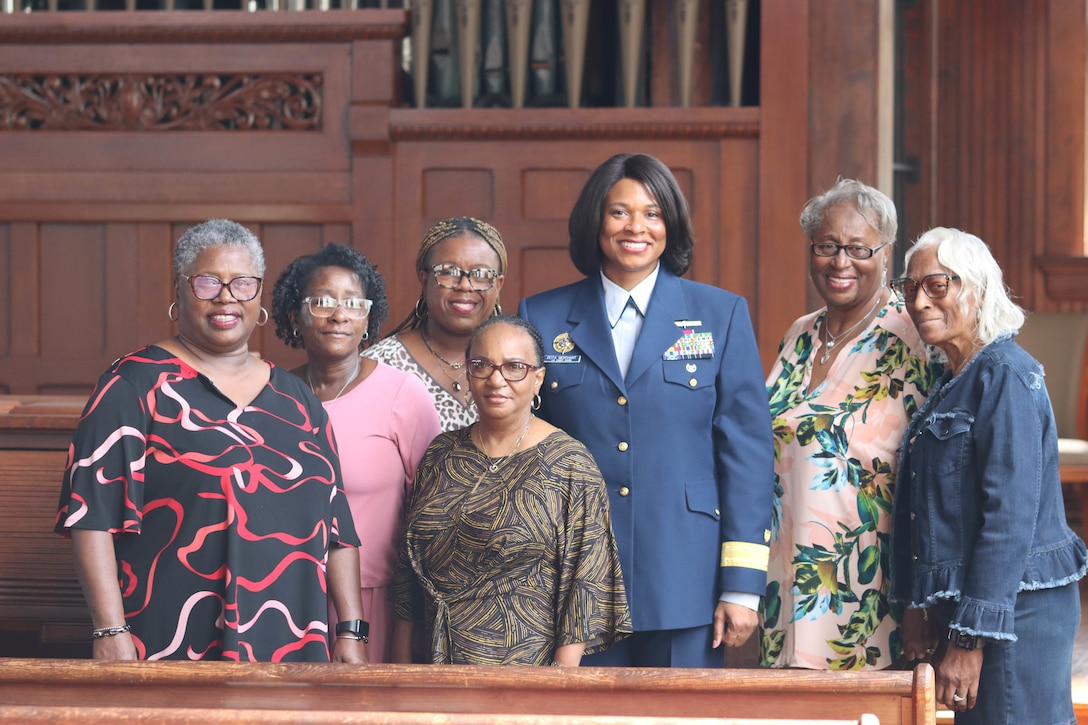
(382, 427)
(836, 451)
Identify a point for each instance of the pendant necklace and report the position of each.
(496, 462)
(830, 341)
(454, 382)
(358, 364)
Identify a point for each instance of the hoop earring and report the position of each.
(262, 324)
(366, 335)
(294, 333)
(171, 310)
(419, 312)
(537, 400)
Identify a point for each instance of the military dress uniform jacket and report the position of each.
(684, 443)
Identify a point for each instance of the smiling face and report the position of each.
(632, 233)
(847, 285)
(498, 398)
(461, 309)
(337, 336)
(222, 324)
(941, 322)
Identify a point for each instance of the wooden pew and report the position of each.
(893, 697)
(39, 593)
(193, 716)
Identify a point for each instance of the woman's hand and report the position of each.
(957, 677)
(117, 647)
(733, 624)
(349, 649)
(920, 636)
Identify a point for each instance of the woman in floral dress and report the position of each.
(846, 382)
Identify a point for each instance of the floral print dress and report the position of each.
(836, 451)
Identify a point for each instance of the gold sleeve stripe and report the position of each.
(745, 555)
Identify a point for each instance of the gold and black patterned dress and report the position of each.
(506, 571)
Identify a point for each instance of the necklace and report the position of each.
(830, 341)
(358, 364)
(496, 462)
(454, 379)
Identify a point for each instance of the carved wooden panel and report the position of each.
(131, 102)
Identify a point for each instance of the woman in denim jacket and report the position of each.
(980, 548)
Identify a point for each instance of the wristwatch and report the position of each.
(354, 628)
(964, 640)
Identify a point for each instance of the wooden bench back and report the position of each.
(893, 697)
(192, 716)
(39, 592)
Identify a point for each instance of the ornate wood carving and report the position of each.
(192, 102)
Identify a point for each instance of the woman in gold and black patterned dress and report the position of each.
(509, 557)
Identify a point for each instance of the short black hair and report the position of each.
(287, 296)
(513, 321)
(588, 212)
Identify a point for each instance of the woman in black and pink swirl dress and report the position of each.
(203, 492)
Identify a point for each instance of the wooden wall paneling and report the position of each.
(154, 286)
(917, 76)
(7, 272)
(375, 86)
(1063, 206)
(738, 203)
(784, 163)
(843, 89)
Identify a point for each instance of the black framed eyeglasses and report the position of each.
(324, 306)
(513, 371)
(208, 287)
(450, 276)
(934, 285)
(854, 251)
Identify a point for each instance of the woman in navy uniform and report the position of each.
(660, 378)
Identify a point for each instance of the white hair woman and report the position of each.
(980, 547)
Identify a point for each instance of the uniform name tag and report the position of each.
(560, 359)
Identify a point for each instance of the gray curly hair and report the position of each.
(873, 204)
(216, 233)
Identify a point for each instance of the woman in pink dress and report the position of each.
(846, 381)
(331, 304)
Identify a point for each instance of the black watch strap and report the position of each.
(964, 640)
(358, 627)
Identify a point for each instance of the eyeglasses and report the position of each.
(854, 251)
(934, 285)
(208, 287)
(354, 307)
(450, 276)
(482, 369)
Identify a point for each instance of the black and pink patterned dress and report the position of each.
(223, 516)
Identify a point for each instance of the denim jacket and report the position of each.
(978, 511)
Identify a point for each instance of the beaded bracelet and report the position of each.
(110, 631)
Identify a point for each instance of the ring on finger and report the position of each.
(958, 698)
